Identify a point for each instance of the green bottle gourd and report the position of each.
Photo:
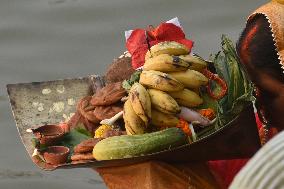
(126, 146)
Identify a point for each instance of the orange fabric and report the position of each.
(274, 12)
(158, 175)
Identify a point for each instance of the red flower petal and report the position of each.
(137, 44)
(169, 32)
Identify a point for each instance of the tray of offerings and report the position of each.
(237, 139)
(174, 109)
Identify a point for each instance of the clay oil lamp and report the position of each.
(48, 134)
(56, 155)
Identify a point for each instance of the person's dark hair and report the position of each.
(256, 45)
(258, 55)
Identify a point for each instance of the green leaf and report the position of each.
(208, 102)
(36, 144)
(83, 131)
(73, 138)
(239, 92)
(239, 87)
(126, 84)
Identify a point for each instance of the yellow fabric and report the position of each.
(279, 1)
(158, 175)
(274, 12)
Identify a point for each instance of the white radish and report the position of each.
(194, 117)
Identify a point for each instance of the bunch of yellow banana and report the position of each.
(170, 79)
(169, 67)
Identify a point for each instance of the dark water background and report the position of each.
(53, 39)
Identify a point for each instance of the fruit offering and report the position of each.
(173, 79)
(174, 99)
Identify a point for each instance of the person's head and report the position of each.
(258, 55)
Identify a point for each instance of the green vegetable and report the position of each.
(126, 146)
(126, 84)
(240, 88)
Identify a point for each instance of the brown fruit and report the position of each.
(86, 145)
(86, 109)
(108, 95)
(106, 112)
(83, 156)
(119, 70)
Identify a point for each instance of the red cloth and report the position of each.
(137, 45)
(258, 122)
(224, 171)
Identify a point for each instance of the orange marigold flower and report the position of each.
(208, 113)
(184, 126)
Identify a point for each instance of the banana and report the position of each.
(167, 47)
(190, 78)
(195, 63)
(133, 123)
(165, 63)
(163, 102)
(159, 80)
(160, 119)
(187, 98)
(141, 102)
